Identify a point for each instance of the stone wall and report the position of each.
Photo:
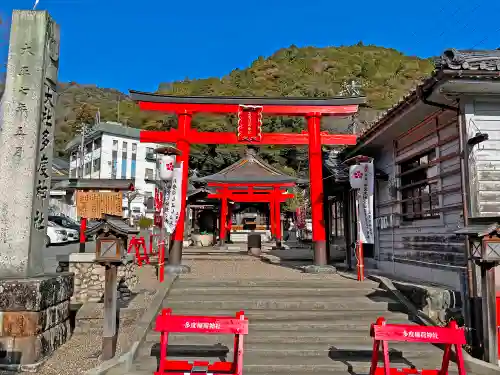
(89, 277)
(34, 320)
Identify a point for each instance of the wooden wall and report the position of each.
(425, 249)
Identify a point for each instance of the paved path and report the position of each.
(299, 323)
(51, 253)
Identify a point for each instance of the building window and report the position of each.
(88, 148)
(149, 175)
(88, 168)
(73, 173)
(133, 165)
(124, 160)
(134, 148)
(97, 143)
(96, 165)
(114, 162)
(419, 187)
(115, 145)
(150, 154)
(337, 219)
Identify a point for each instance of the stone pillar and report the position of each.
(34, 308)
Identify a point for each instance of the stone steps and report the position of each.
(303, 316)
(309, 282)
(291, 363)
(304, 325)
(270, 291)
(288, 304)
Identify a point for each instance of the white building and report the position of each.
(113, 151)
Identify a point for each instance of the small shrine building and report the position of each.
(248, 193)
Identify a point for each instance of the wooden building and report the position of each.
(437, 160)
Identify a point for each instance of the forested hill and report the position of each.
(383, 74)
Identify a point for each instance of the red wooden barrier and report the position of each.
(136, 244)
(167, 323)
(161, 261)
(382, 333)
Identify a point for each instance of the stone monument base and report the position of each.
(34, 319)
(89, 277)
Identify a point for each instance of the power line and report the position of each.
(485, 39)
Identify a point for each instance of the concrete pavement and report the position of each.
(50, 253)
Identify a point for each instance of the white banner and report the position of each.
(173, 200)
(365, 203)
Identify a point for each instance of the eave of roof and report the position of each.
(249, 179)
(114, 223)
(111, 128)
(237, 100)
(452, 63)
(90, 183)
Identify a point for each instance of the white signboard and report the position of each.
(173, 200)
(356, 176)
(364, 177)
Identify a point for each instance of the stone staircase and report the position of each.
(299, 323)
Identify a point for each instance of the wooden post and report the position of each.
(109, 332)
(83, 238)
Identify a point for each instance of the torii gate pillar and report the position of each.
(175, 254)
(316, 189)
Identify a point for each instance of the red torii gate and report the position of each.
(274, 194)
(250, 111)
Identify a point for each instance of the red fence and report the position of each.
(450, 336)
(167, 323)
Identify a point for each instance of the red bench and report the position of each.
(382, 333)
(167, 323)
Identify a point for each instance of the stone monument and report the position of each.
(34, 306)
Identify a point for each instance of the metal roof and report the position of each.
(91, 183)
(112, 128)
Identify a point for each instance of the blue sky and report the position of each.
(138, 44)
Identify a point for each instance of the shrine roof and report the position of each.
(242, 100)
(251, 169)
(113, 223)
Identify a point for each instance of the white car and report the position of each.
(55, 234)
(73, 234)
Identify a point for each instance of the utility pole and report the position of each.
(83, 130)
(118, 109)
(83, 220)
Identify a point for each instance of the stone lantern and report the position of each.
(484, 241)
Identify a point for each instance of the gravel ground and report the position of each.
(82, 351)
